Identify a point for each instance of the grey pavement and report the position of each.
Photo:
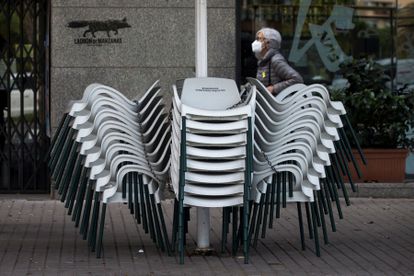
(376, 237)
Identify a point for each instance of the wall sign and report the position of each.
(97, 33)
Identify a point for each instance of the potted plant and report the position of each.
(380, 118)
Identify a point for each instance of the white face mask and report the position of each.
(256, 47)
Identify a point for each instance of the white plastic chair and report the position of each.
(210, 144)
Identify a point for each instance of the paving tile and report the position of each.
(37, 237)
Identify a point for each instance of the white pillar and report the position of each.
(201, 38)
(203, 214)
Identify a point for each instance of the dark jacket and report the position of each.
(274, 70)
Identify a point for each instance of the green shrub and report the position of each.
(379, 116)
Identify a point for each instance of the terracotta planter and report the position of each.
(383, 165)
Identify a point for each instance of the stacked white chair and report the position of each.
(211, 149)
(119, 152)
(249, 156)
(297, 142)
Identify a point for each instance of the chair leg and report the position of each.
(224, 228)
(246, 195)
(137, 212)
(94, 223)
(302, 234)
(258, 222)
(348, 147)
(74, 183)
(143, 208)
(272, 202)
(336, 197)
(340, 180)
(330, 181)
(164, 229)
(100, 233)
(246, 243)
(344, 160)
(157, 227)
(309, 220)
(80, 196)
(57, 146)
(330, 212)
(181, 234)
(318, 203)
(124, 185)
(253, 221)
(240, 232)
(63, 123)
(149, 214)
(234, 232)
(349, 126)
(284, 183)
(61, 160)
(315, 229)
(323, 199)
(266, 213)
(130, 193)
(69, 173)
(86, 212)
(183, 169)
(278, 192)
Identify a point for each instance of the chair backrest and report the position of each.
(210, 93)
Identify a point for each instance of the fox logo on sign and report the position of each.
(95, 26)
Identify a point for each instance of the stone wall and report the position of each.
(159, 44)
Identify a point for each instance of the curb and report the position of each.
(382, 190)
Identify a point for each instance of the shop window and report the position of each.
(319, 35)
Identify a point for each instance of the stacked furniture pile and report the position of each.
(301, 153)
(211, 156)
(247, 152)
(107, 149)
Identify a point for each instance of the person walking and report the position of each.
(272, 68)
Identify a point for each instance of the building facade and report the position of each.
(51, 50)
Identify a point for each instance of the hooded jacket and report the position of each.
(274, 70)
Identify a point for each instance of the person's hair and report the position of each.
(272, 36)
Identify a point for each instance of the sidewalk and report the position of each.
(376, 237)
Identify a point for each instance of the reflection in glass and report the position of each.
(319, 36)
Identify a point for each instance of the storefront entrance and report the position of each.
(24, 96)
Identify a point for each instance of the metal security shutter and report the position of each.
(24, 114)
